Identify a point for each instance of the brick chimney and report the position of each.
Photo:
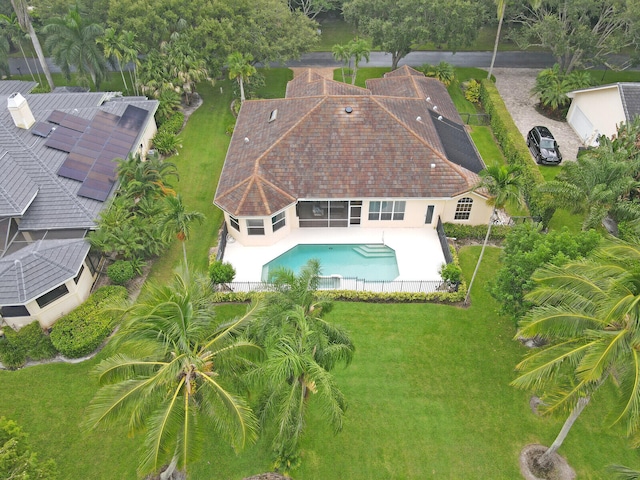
(20, 111)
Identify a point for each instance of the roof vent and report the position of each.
(273, 116)
(433, 165)
(418, 118)
(428, 99)
(348, 109)
(440, 117)
(20, 111)
(246, 139)
(435, 107)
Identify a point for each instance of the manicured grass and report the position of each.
(486, 144)
(601, 77)
(428, 397)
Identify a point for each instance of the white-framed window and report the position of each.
(233, 221)
(255, 227)
(278, 221)
(463, 209)
(386, 210)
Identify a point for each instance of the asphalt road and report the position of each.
(377, 59)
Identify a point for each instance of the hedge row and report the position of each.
(83, 330)
(475, 232)
(29, 343)
(515, 149)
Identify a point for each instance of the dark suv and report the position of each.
(543, 146)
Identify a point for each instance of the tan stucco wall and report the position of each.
(147, 136)
(602, 107)
(415, 213)
(48, 315)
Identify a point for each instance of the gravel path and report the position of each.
(514, 85)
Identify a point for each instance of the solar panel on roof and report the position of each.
(42, 129)
(74, 123)
(56, 116)
(58, 145)
(133, 119)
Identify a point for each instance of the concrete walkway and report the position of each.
(515, 87)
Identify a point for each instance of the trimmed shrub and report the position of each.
(85, 328)
(220, 272)
(472, 91)
(173, 124)
(166, 143)
(29, 343)
(120, 272)
(443, 71)
(515, 150)
(451, 273)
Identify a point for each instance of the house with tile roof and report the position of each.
(57, 173)
(600, 110)
(334, 156)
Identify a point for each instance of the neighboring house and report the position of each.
(332, 155)
(600, 110)
(57, 173)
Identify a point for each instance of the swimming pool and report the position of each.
(365, 261)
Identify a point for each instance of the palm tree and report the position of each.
(112, 44)
(17, 37)
(73, 43)
(149, 178)
(588, 311)
(177, 221)
(24, 19)
(341, 54)
(620, 472)
(359, 49)
(501, 6)
(171, 374)
(241, 69)
(503, 185)
(598, 183)
(4, 55)
(185, 66)
(130, 50)
(302, 349)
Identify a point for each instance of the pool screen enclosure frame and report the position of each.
(329, 213)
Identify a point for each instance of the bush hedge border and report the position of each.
(515, 150)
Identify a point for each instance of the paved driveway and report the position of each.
(515, 87)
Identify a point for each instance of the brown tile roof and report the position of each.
(403, 71)
(310, 84)
(314, 149)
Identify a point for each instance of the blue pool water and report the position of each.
(365, 261)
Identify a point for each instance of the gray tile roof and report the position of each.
(17, 190)
(630, 96)
(7, 87)
(57, 205)
(39, 268)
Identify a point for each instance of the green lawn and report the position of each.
(428, 398)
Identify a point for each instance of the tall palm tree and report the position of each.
(359, 49)
(172, 373)
(73, 43)
(341, 54)
(598, 183)
(148, 178)
(22, 12)
(112, 44)
(588, 311)
(186, 66)
(17, 37)
(503, 185)
(130, 51)
(302, 349)
(241, 69)
(501, 7)
(176, 221)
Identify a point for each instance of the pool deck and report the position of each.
(418, 250)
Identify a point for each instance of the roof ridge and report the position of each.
(413, 132)
(36, 253)
(20, 284)
(45, 168)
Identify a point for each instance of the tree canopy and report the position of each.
(579, 31)
(397, 26)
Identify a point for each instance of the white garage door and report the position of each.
(581, 124)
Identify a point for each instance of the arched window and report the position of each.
(463, 209)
